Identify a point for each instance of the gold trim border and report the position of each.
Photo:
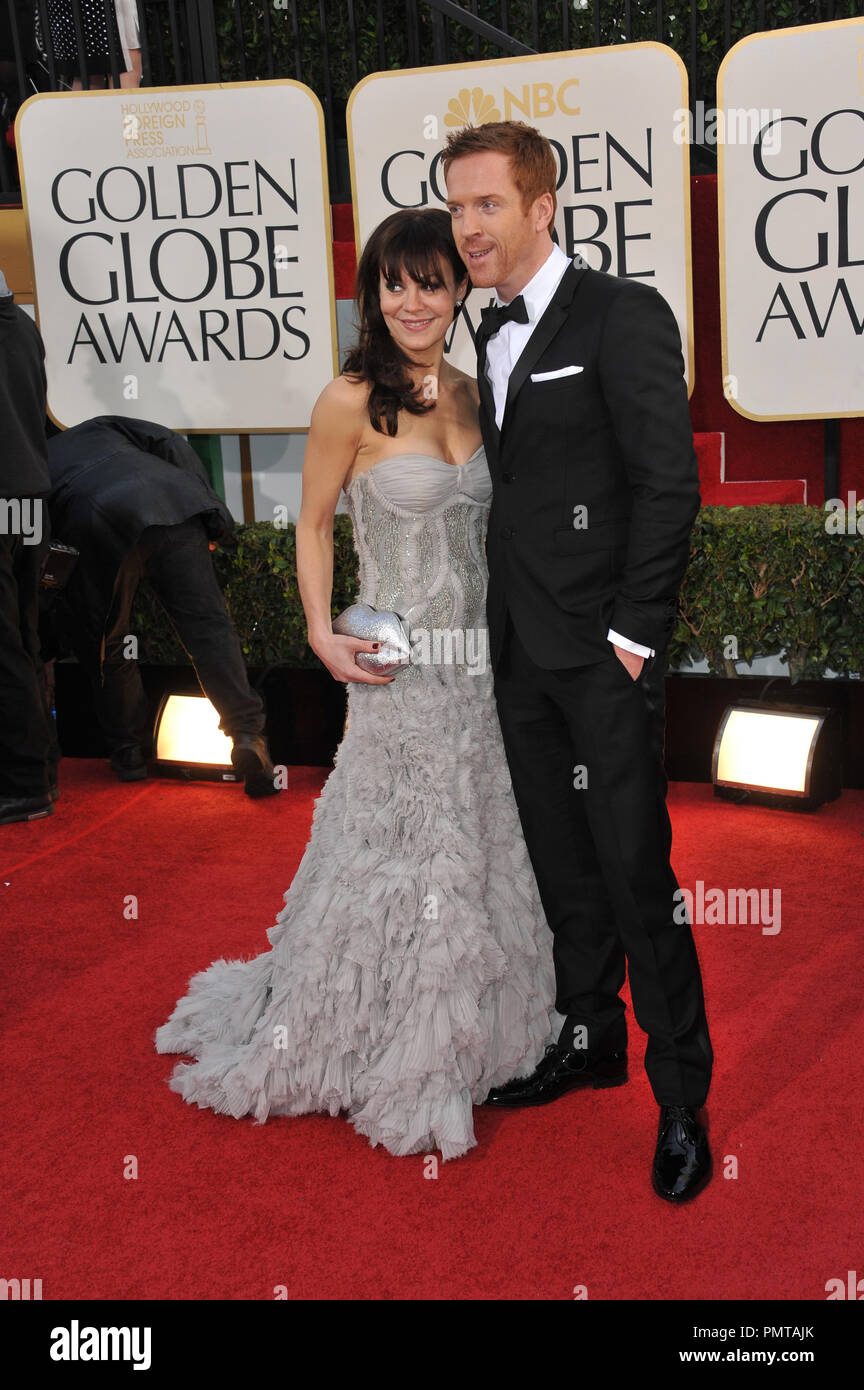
(124, 94)
(721, 218)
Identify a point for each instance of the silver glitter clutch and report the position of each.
(374, 625)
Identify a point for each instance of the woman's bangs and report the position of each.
(413, 253)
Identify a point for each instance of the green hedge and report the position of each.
(776, 581)
(772, 578)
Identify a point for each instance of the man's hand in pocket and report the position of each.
(632, 662)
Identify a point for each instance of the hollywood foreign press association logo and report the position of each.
(155, 127)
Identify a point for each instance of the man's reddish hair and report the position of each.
(532, 162)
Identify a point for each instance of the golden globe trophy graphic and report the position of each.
(200, 109)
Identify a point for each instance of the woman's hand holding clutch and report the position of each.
(338, 655)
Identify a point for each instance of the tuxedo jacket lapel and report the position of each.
(489, 428)
(550, 322)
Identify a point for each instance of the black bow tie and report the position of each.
(494, 318)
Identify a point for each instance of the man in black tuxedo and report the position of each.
(587, 430)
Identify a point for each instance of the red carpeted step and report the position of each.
(709, 457)
(717, 492)
(776, 490)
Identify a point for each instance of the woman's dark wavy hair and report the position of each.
(415, 242)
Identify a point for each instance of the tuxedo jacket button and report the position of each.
(508, 477)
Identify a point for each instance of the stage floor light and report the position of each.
(785, 755)
(188, 741)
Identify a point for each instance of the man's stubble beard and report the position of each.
(484, 283)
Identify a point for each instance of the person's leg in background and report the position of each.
(94, 611)
(123, 708)
(25, 735)
(31, 599)
(179, 568)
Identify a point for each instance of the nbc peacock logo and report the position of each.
(532, 101)
(472, 106)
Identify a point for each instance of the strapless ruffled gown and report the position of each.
(410, 969)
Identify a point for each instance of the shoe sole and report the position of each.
(29, 815)
(598, 1083)
(259, 784)
(139, 775)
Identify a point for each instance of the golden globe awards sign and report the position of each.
(792, 223)
(611, 115)
(182, 253)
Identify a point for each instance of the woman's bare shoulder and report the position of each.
(345, 393)
(342, 404)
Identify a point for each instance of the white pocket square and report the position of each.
(551, 376)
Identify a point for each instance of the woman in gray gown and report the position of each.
(410, 969)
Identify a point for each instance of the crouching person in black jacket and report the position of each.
(133, 497)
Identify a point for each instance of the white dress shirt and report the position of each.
(504, 349)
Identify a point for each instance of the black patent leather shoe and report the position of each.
(15, 808)
(561, 1070)
(682, 1160)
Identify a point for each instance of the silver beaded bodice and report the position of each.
(419, 532)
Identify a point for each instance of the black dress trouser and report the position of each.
(584, 746)
(26, 730)
(177, 563)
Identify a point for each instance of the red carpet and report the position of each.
(550, 1199)
(716, 490)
